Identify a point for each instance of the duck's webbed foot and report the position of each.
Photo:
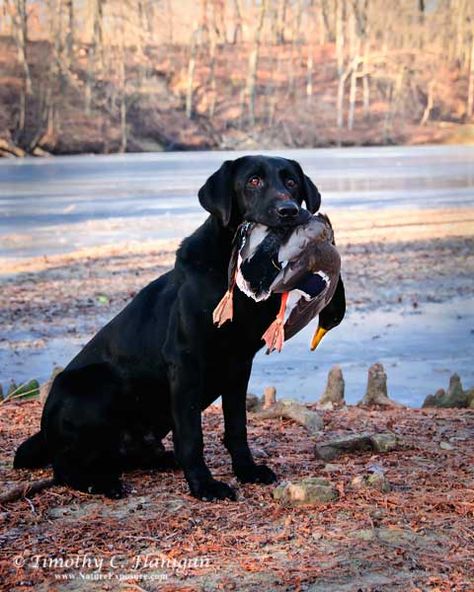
(274, 336)
(224, 311)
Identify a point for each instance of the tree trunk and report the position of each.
(212, 81)
(429, 104)
(281, 22)
(340, 63)
(69, 5)
(238, 23)
(470, 90)
(309, 74)
(191, 70)
(20, 20)
(253, 64)
(365, 81)
(355, 46)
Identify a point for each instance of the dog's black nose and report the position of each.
(287, 209)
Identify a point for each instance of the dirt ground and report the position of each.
(417, 537)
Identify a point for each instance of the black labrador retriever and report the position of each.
(161, 361)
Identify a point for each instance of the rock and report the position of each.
(382, 442)
(332, 468)
(269, 396)
(253, 402)
(353, 443)
(310, 490)
(295, 411)
(455, 397)
(375, 480)
(379, 481)
(333, 396)
(387, 535)
(446, 446)
(376, 393)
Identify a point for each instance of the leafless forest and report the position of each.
(132, 75)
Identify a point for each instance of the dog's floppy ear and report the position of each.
(312, 197)
(216, 195)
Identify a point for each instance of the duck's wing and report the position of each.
(302, 252)
(311, 297)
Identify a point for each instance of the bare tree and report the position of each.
(253, 62)
(470, 91)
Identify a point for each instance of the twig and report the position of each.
(21, 491)
(16, 395)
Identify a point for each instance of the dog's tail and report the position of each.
(32, 453)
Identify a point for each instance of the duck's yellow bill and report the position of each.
(318, 335)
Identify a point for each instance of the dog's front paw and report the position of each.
(255, 474)
(211, 490)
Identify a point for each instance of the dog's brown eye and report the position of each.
(290, 183)
(255, 181)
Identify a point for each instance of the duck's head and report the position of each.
(268, 190)
(331, 315)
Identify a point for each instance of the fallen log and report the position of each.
(296, 411)
(382, 442)
(26, 489)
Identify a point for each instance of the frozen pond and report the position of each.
(62, 204)
(65, 203)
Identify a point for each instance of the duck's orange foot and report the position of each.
(224, 311)
(274, 336)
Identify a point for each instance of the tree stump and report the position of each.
(455, 397)
(376, 393)
(333, 396)
(269, 397)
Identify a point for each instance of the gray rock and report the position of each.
(310, 490)
(334, 448)
(374, 480)
(384, 442)
(333, 396)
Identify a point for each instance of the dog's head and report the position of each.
(263, 189)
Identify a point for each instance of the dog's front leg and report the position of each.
(235, 420)
(187, 434)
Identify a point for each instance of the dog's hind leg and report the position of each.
(85, 479)
(82, 421)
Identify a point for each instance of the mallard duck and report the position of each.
(301, 263)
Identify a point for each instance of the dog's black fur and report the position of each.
(161, 361)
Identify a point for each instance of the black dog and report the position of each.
(161, 361)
